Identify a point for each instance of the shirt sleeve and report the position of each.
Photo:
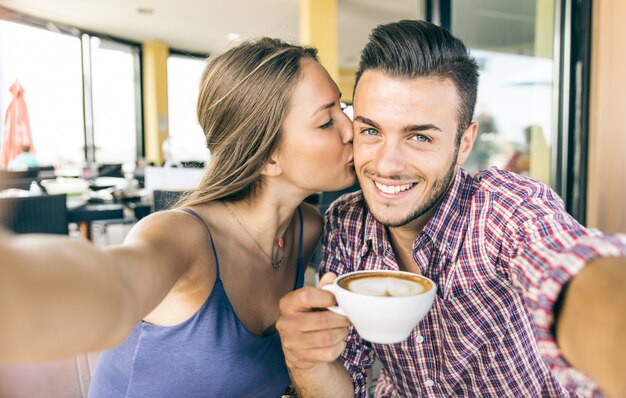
(357, 356)
(547, 247)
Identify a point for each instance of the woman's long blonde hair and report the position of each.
(244, 98)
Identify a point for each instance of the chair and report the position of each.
(67, 378)
(17, 179)
(20, 183)
(328, 198)
(110, 170)
(18, 174)
(35, 214)
(41, 169)
(102, 226)
(193, 164)
(163, 200)
(313, 199)
(139, 209)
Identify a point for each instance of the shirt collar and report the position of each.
(446, 229)
(375, 234)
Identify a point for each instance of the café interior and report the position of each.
(98, 124)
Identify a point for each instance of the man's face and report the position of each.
(405, 149)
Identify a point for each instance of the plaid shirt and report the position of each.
(500, 247)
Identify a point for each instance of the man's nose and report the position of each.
(389, 158)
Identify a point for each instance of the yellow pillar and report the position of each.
(155, 114)
(540, 145)
(346, 83)
(318, 28)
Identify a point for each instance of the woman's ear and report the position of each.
(271, 168)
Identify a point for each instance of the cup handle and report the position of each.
(334, 308)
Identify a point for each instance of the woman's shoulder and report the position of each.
(168, 223)
(174, 231)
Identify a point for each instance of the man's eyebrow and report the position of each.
(409, 128)
(365, 120)
(421, 127)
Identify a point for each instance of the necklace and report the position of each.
(280, 241)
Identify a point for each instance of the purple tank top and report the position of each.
(212, 354)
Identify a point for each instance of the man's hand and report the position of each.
(310, 334)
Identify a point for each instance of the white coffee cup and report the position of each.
(383, 305)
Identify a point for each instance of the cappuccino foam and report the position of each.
(384, 286)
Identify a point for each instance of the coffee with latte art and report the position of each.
(383, 305)
(389, 285)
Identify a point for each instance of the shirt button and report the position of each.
(429, 383)
(419, 339)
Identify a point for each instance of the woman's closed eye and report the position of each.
(328, 124)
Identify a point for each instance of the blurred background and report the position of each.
(111, 86)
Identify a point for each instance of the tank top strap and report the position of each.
(217, 262)
(300, 272)
(301, 231)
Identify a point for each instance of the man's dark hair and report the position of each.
(410, 49)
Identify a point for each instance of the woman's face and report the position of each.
(315, 152)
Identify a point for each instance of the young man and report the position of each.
(508, 260)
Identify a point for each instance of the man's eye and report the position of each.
(421, 138)
(369, 131)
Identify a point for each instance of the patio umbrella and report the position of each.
(16, 127)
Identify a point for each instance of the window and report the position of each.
(114, 89)
(186, 138)
(513, 44)
(48, 66)
(84, 101)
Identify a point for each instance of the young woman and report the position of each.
(190, 299)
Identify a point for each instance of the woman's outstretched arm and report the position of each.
(60, 296)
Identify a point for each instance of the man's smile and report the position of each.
(393, 189)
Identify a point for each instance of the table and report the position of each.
(139, 209)
(84, 214)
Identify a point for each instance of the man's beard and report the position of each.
(440, 187)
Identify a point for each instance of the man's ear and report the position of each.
(467, 143)
(271, 168)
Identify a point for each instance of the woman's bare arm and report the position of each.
(60, 296)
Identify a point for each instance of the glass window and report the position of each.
(114, 89)
(513, 44)
(186, 139)
(48, 66)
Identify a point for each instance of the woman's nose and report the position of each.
(345, 129)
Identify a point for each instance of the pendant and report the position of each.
(280, 241)
(276, 265)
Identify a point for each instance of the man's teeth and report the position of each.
(392, 189)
